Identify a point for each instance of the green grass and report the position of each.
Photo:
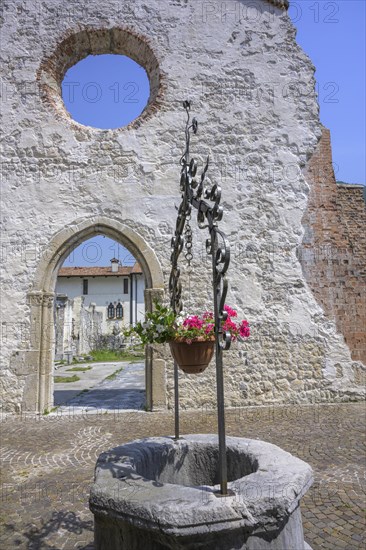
(66, 379)
(81, 369)
(46, 411)
(109, 356)
(114, 374)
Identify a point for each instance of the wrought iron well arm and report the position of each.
(195, 194)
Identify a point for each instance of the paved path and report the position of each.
(48, 465)
(105, 387)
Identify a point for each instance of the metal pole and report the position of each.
(219, 373)
(176, 375)
(176, 400)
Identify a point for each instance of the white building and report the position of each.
(117, 292)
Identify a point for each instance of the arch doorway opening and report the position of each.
(99, 293)
(96, 276)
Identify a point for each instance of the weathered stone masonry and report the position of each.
(333, 253)
(252, 88)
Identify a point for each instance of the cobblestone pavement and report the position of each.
(48, 467)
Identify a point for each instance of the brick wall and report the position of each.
(333, 252)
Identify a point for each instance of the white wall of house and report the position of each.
(104, 290)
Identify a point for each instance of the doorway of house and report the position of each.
(99, 292)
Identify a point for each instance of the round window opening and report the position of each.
(102, 78)
(105, 91)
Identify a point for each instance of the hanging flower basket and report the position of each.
(194, 357)
(191, 337)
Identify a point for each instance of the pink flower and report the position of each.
(209, 328)
(244, 329)
(195, 326)
(193, 322)
(230, 311)
(230, 326)
(208, 315)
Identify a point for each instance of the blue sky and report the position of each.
(333, 35)
(98, 251)
(109, 91)
(105, 91)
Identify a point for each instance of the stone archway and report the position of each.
(41, 300)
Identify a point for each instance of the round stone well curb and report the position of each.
(158, 493)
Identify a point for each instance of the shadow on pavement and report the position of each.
(102, 398)
(42, 537)
(61, 397)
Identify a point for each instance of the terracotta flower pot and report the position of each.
(192, 358)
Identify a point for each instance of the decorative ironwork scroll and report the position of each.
(206, 200)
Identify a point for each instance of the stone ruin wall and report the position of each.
(333, 253)
(89, 329)
(63, 327)
(77, 328)
(252, 89)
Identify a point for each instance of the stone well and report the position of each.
(158, 493)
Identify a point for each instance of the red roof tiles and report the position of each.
(99, 271)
